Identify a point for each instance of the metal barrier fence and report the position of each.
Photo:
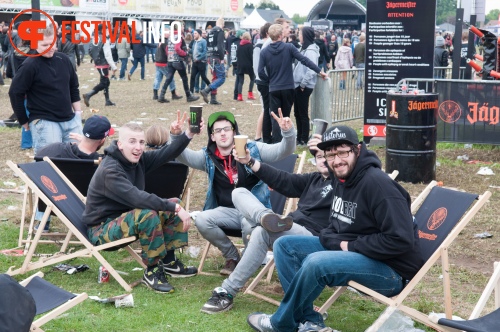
(348, 103)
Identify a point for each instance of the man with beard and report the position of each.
(371, 238)
(225, 174)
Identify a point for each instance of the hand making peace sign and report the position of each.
(284, 123)
(177, 125)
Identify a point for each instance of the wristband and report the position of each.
(251, 162)
(177, 208)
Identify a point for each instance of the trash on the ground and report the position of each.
(494, 187)
(120, 301)
(12, 208)
(396, 322)
(143, 113)
(122, 273)
(194, 214)
(9, 184)
(467, 146)
(71, 269)
(194, 251)
(137, 269)
(4, 219)
(485, 171)
(483, 235)
(12, 252)
(443, 315)
(479, 162)
(438, 164)
(464, 157)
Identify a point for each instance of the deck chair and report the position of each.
(277, 203)
(442, 214)
(61, 197)
(487, 323)
(49, 297)
(79, 172)
(270, 265)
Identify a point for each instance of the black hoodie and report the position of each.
(118, 185)
(372, 212)
(323, 51)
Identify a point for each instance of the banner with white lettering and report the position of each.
(400, 44)
(468, 112)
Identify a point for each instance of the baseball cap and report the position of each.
(219, 116)
(337, 136)
(97, 127)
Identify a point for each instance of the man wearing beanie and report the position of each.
(440, 58)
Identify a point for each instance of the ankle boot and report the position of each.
(175, 96)
(161, 98)
(192, 97)
(204, 93)
(86, 97)
(240, 97)
(155, 94)
(213, 100)
(250, 96)
(108, 102)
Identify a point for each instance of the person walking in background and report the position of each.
(123, 48)
(305, 80)
(440, 57)
(188, 39)
(359, 60)
(233, 58)
(215, 54)
(264, 124)
(199, 54)
(161, 64)
(245, 65)
(324, 58)
(138, 52)
(70, 49)
(333, 48)
(344, 61)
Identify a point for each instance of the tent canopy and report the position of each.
(253, 21)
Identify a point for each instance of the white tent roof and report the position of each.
(253, 21)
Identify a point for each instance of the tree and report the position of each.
(445, 11)
(492, 15)
(363, 2)
(268, 4)
(299, 19)
(249, 5)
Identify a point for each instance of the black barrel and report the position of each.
(411, 136)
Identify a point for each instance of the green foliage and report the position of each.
(299, 19)
(445, 11)
(492, 15)
(249, 5)
(363, 2)
(268, 4)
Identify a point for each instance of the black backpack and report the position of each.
(95, 51)
(17, 307)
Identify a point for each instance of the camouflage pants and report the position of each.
(157, 232)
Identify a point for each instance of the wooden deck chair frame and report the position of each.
(89, 250)
(30, 204)
(36, 325)
(289, 205)
(269, 267)
(492, 285)
(396, 302)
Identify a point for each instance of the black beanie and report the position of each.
(199, 31)
(307, 37)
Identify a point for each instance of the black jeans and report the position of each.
(266, 122)
(280, 99)
(172, 67)
(103, 81)
(241, 80)
(301, 112)
(198, 67)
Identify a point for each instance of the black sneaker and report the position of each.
(275, 223)
(192, 98)
(176, 269)
(220, 301)
(156, 279)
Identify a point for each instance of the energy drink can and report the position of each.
(103, 275)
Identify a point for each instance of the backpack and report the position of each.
(95, 51)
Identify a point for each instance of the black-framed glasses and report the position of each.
(340, 154)
(226, 129)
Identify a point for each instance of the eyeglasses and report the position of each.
(226, 129)
(340, 154)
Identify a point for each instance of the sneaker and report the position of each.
(176, 269)
(129, 76)
(45, 229)
(192, 98)
(260, 322)
(312, 327)
(156, 279)
(220, 301)
(275, 223)
(229, 267)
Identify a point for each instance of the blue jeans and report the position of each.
(361, 74)
(46, 132)
(218, 74)
(123, 68)
(160, 72)
(134, 66)
(305, 267)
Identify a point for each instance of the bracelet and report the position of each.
(177, 208)
(251, 162)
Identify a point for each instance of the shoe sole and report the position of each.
(205, 96)
(274, 223)
(216, 312)
(86, 101)
(157, 291)
(173, 275)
